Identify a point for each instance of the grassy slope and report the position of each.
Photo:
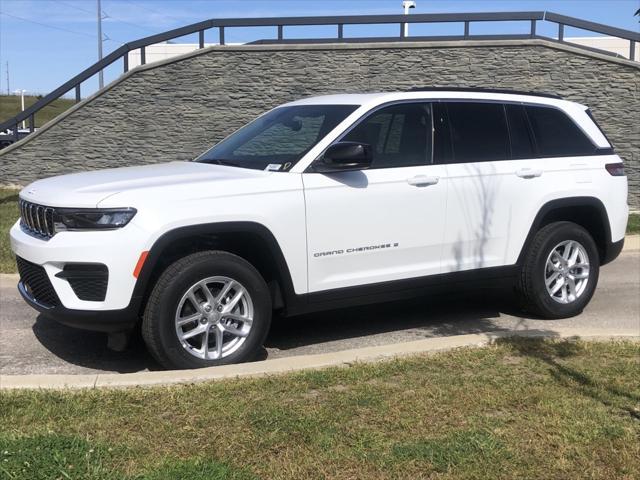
(9, 214)
(10, 107)
(522, 409)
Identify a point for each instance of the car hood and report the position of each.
(88, 189)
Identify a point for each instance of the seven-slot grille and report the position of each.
(37, 219)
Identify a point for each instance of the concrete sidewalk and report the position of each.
(293, 364)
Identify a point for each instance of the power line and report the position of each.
(70, 5)
(152, 10)
(108, 16)
(112, 17)
(62, 29)
(48, 26)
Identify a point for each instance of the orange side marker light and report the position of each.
(141, 260)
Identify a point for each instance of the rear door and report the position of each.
(385, 223)
(489, 185)
(504, 161)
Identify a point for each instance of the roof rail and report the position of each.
(485, 90)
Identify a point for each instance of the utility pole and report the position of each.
(100, 74)
(8, 89)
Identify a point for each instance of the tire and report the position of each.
(166, 321)
(536, 272)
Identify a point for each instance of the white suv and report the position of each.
(323, 203)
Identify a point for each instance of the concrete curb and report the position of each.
(294, 364)
(631, 243)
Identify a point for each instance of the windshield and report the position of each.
(279, 138)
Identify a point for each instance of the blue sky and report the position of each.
(46, 42)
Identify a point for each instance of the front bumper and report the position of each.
(118, 250)
(108, 321)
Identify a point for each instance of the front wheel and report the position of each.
(209, 308)
(560, 271)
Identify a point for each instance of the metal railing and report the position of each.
(122, 53)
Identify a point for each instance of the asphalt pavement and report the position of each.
(31, 344)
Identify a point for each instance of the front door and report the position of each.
(385, 223)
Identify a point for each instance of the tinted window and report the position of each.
(478, 131)
(399, 135)
(278, 138)
(522, 145)
(555, 133)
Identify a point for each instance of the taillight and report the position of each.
(615, 169)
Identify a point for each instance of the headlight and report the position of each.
(92, 218)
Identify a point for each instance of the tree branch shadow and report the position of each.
(551, 352)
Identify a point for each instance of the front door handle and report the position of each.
(423, 181)
(528, 173)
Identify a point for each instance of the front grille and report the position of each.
(88, 280)
(36, 219)
(37, 283)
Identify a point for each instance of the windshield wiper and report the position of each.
(227, 163)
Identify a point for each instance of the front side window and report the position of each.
(556, 134)
(279, 138)
(399, 135)
(478, 132)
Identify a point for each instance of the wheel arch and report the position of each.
(250, 240)
(588, 212)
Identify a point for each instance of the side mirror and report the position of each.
(345, 156)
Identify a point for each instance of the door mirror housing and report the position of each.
(345, 156)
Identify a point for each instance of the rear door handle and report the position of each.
(528, 173)
(423, 181)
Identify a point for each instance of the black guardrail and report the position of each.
(122, 53)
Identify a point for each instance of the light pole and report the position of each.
(21, 92)
(407, 5)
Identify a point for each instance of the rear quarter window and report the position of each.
(556, 134)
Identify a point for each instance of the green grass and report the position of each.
(633, 225)
(9, 214)
(519, 409)
(10, 106)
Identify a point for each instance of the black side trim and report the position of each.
(613, 251)
(407, 288)
(155, 254)
(608, 246)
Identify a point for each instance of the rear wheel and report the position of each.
(560, 272)
(209, 308)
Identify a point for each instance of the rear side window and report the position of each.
(478, 132)
(556, 135)
(522, 144)
(399, 135)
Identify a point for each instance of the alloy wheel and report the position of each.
(214, 318)
(567, 272)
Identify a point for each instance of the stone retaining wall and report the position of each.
(175, 109)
